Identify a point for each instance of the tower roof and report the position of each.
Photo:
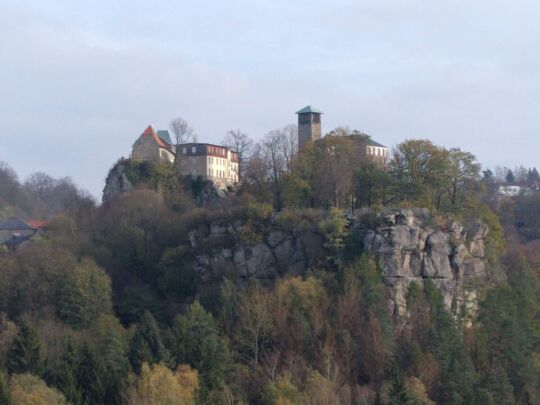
(149, 131)
(309, 109)
(164, 135)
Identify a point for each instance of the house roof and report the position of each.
(36, 223)
(150, 131)
(164, 135)
(14, 224)
(371, 142)
(309, 109)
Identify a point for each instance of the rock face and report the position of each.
(116, 183)
(406, 244)
(411, 250)
(274, 254)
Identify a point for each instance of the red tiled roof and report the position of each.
(149, 131)
(36, 223)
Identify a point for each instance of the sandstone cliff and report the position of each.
(406, 244)
(409, 248)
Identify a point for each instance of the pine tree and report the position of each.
(66, 375)
(146, 345)
(510, 178)
(4, 390)
(91, 376)
(24, 355)
(398, 394)
(117, 365)
(197, 343)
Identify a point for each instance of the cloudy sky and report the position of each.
(81, 80)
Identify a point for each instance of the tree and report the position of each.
(255, 327)
(66, 375)
(272, 148)
(510, 178)
(241, 143)
(197, 343)
(29, 389)
(84, 294)
(533, 176)
(464, 175)
(373, 184)
(25, 353)
(182, 132)
(91, 375)
(146, 345)
(420, 169)
(159, 385)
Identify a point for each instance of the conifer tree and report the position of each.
(197, 342)
(117, 365)
(25, 355)
(398, 394)
(4, 390)
(146, 345)
(91, 376)
(66, 375)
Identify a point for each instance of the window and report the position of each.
(184, 150)
(193, 149)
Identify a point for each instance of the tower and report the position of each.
(309, 125)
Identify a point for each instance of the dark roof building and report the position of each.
(14, 224)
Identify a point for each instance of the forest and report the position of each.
(107, 306)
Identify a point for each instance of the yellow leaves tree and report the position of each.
(29, 389)
(159, 385)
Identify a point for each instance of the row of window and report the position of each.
(376, 151)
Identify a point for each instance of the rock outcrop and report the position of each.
(407, 245)
(410, 249)
(116, 183)
(274, 254)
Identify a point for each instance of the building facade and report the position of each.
(151, 147)
(376, 152)
(212, 162)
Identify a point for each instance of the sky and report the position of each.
(81, 80)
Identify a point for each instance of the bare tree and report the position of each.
(290, 145)
(272, 148)
(182, 132)
(241, 143)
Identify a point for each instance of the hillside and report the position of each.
(332, 280)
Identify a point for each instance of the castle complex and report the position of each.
(220, 164)
(213, 162)
(309, 130)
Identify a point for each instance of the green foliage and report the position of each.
(5, 398)
(334, 229)
(527, 216)
(146, 345)
(197, 343)
(84, 294)
(66, 375)
(91, 376)
(25, 355)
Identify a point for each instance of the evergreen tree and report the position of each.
(91, 376)
(4, 390)
(66, 375)
(146, 345)
(398, 394)
(197, 342)
(117, 365)
(24, 355)
(510, 178)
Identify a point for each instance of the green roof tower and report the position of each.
(309, 125)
